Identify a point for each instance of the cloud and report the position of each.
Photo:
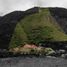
(7, 6)
(52, 3)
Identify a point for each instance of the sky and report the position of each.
(7, 6)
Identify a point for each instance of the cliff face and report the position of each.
(16, 21)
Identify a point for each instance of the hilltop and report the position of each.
(35, 25)
(38, 26)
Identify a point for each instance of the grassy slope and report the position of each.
(36, 28)
(19, 37)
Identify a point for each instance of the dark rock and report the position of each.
(60, 15)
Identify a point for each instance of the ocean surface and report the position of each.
(33, 62)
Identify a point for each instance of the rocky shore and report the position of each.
(53, 49)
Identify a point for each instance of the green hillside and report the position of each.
(36, 28)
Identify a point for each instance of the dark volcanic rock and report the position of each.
(60, 14)
(7, 25)
(56, 45)
(32, 11)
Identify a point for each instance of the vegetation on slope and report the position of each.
(37, 28)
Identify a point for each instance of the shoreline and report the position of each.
(31, 56)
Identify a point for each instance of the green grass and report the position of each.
(37, 28)
(19, 37)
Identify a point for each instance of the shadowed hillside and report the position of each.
(61, 17)
(8, 24)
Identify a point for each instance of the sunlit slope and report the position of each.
(36, 28)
